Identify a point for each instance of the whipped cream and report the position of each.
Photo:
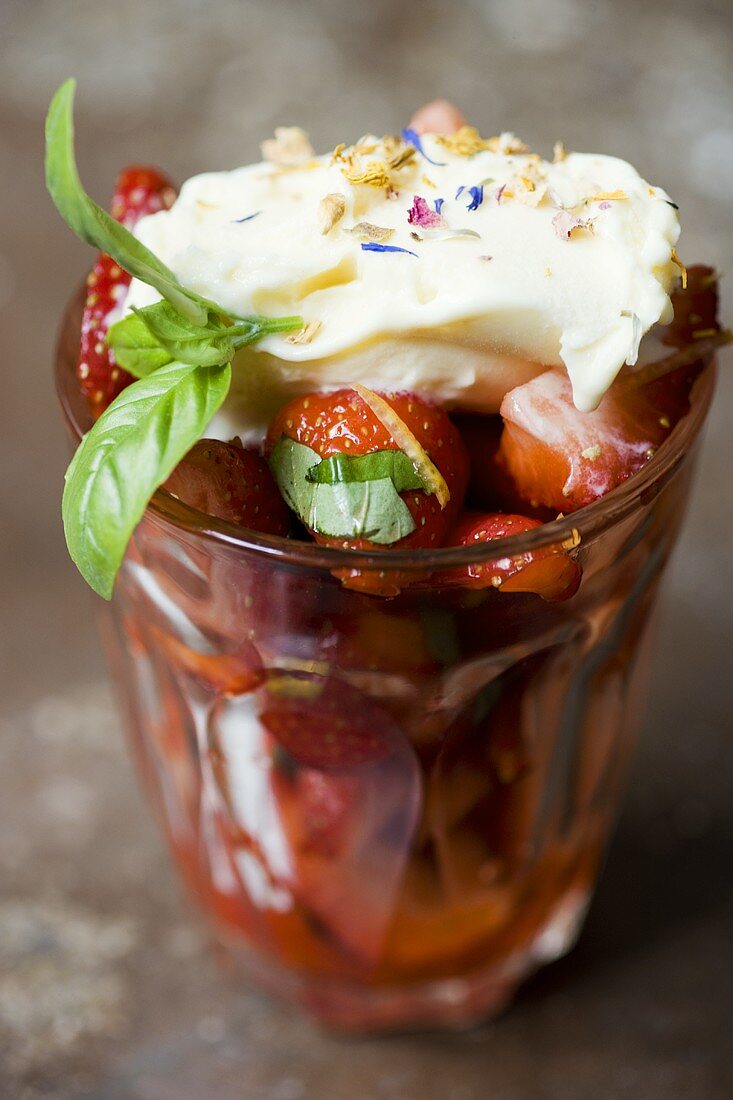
(512, 265)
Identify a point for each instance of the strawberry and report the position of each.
(139, 191)
(565, 459)
(437, 117)
(232, 483)
(326, 723)
(342, 423)
(547, 571)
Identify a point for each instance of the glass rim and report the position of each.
(570, 531)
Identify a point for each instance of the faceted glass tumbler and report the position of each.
(390, 811)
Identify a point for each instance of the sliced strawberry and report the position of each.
(234, 484)
(547, 571)
(342, 423)
(565, 459)
(326, 803)
(326, 723)
(139, 191)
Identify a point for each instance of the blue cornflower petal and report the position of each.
(413, 138)
(372, 246)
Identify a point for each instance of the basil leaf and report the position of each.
(204, 346)
(393, 464)
(371, 510)
(130, 451)
(93, 224)
(135, 347)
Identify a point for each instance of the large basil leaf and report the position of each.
(93, 224)
(130, 451)
(348, 509)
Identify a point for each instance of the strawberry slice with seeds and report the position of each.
(564, 459)
(342, 423)
(232, 483)
(548, 571)
(139, 191)
(323, 722)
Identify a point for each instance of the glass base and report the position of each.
(450, 1003)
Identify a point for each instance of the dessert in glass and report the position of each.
(380, 456)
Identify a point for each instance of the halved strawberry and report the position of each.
(139, 191)
(326, 723)
(548, 571)
(565, 459)
(342, 423)
(232, 483)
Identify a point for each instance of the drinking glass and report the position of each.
(390, 811)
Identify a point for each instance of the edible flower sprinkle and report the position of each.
(413, 138)
(372, 246)
(477, 196)
(421, 214)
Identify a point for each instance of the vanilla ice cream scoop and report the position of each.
(451, 266)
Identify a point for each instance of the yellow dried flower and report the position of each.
(465, 142)
(608, 196)
(373, 174)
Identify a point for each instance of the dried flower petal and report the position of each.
(374, 247)
(678, 263)
(566, 224)
(374, 174)
(467, 141)
(413, 138)
(289, 147)
(331, 210)
(608, 196)
(368, 232)
(446, 234)
(306, 334)
(421, 214)
(477, 196)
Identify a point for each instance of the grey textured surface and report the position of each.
(107, 986)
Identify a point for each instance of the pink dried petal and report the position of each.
(566, 223)
(420, 213)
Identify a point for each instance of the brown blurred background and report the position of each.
(107, 987)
